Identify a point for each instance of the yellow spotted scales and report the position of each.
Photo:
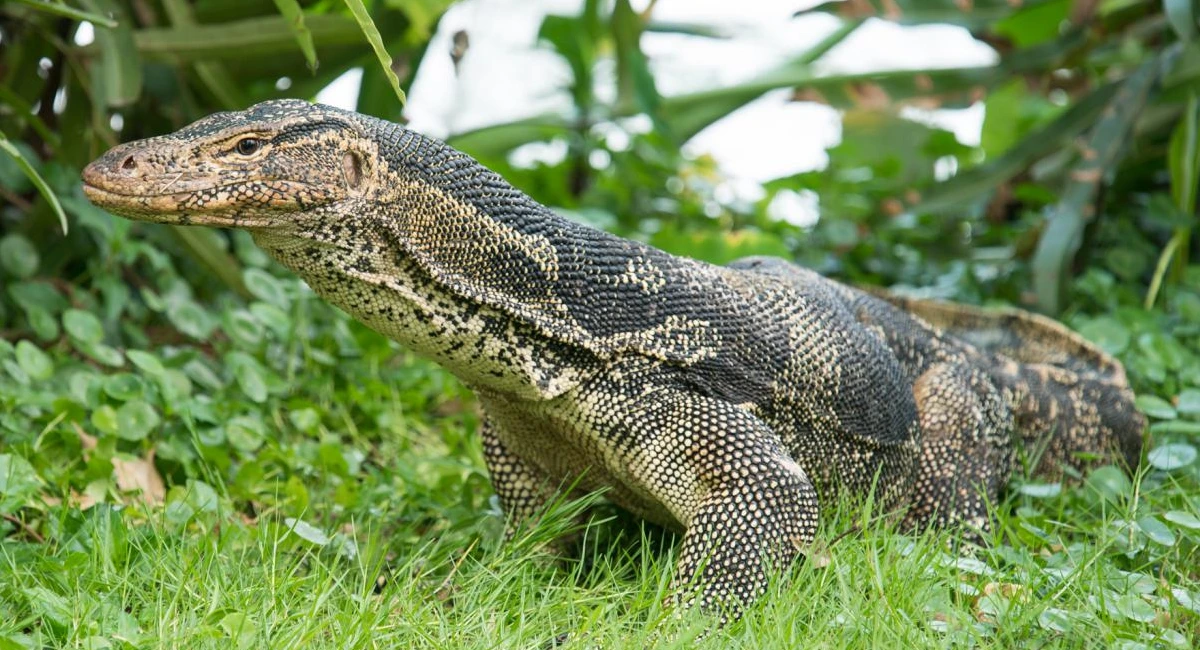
(728, 402)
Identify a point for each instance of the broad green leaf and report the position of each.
(1157, 531)
(136, 419)
(104, 418)
(372, 34)
(246, 433)
(1187, 599)
(1107, 332)
(124, 386)
(295, 19)
(35, 178)
(202, 496)
(102, 353)
(118, 70)
(1134, 607)
(190, 319)
(1176, 426)
(18, 256)
(1156, 407)
(1183, 519)
(306, 531)
(1001, 118)
(1055, 619)
(494, 142)
(305, 419)
(266, 287)
(276, 319)
(1110, 483)
(242, 327)
(249, 374)
(43, 324)
(34, 361)
(1188, 401)
(1171, 456)
(241, 628)
(83, 326)
(146, 362)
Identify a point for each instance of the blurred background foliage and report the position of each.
(1089, 158)
(1091, 126)
(140, 359)
(1080, 197)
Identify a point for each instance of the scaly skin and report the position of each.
(729, 402)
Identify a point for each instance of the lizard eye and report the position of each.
(248, 146)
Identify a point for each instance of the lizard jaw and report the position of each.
(168, 209)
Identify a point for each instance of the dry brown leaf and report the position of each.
(1009, 590)
(868, 95)
(892, 207)
(809, 95)
(139, 474)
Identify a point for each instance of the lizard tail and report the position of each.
(1071, 400)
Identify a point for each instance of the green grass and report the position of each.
(1071, 572)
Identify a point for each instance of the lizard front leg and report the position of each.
(745, 505)
(524, 490)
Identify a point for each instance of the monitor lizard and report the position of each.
(730, 402)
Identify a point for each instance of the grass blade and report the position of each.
(255, 38)
(493, 142)
(975, 14)
(34, 177)
(635, 82)
(372, 33)
(1181, 15)
(1064, 233)
(69, 12)
(212, 74)
(119, 66)
(967, 186)
(689, 114)
(295, 19)
(1184, 158)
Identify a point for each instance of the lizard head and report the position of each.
(256, 168)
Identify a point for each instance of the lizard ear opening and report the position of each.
(352, 169)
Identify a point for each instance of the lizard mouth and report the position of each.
(171, 208)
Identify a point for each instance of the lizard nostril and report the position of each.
(129, 163)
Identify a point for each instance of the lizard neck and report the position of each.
(482, 239)
(444, 256)
(394, 295)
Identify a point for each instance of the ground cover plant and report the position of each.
(196, 452)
